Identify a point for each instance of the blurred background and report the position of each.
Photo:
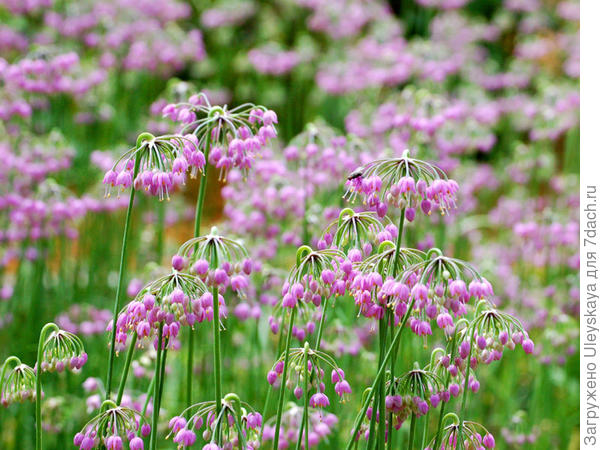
(486, 89)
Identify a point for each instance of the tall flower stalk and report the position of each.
(57, 350)
(157, 165)
(228, 138)
(221, 262)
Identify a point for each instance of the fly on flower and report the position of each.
(405, 183)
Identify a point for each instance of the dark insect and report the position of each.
(356, 173)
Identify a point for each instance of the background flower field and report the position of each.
(483, 92)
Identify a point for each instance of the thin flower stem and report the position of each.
(411, 436)
(438, 434)
(217, 348)
(391, 429)
(122, 270)
(284, 375)
(148, 392)
(303, 431)
(393, 345)
(38, 384)
(191, 339)
(424, 434)
(156, 405)
(305, 420)
(163, 364)
(317, 346)
(126, 368)
(321, 323)
(463, 403)
(270, 389)
(381, 427)
(160, 230)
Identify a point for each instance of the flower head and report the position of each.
(157, 164)
(406, 183)
(229, 137)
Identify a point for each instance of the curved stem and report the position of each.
(393, 345)
(122, 270)
(155, 401)
(38, 383)
(126, 368)
(284, 375)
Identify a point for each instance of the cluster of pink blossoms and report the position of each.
(230, 137)
(294, 383)
(157, 164)
(439, 194)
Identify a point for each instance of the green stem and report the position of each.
(160, 230)
(217, 348)
(270, 389)
(424, 435)
(463, 403)
(317, 346)
(381, 426)
(38, 384)
(156, 404)
(163, 364)
(126, 368)
(438, 434)
(303, 431)
(122, 270)
(191, 340)
(381, 371)
(411, 436)
(321, 323)
(148, 392)
(391, 429)
(306, 396)
(284, 375)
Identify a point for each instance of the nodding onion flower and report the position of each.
(474, 435)
(316, 361)
(355, 229)
(316, 276)
(157, 164)
(217, 260)
(111, 426)
(237, 424)
(404, 183)
(489, 333)
(60, 349)
(375, 289)
(440, 289)
(19, 384)
(174, 300)
(415, 392)
(228, 137)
